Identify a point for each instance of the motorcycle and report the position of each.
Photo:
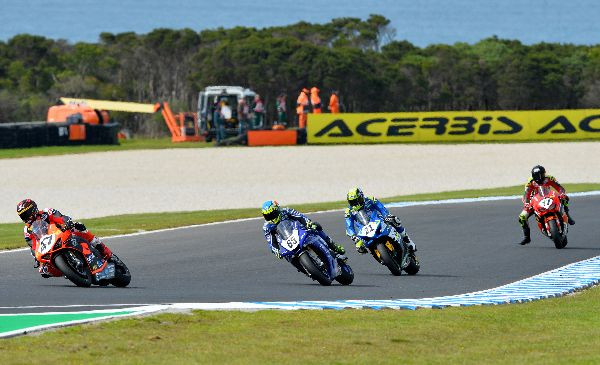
(385, 244)
(310, 255)
(66, 253)
(550, 216)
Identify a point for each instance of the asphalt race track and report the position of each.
(462, 248)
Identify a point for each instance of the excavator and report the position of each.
(183, 126)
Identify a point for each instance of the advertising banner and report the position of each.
(455, 126)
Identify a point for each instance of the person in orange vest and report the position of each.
(302, 108)
(334, 102)
(315, 100)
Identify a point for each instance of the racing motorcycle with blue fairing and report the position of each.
(310, 254)
(385, 244)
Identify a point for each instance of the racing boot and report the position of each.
(526, 235)
(571, 220)
(100, 246)
(409, 243)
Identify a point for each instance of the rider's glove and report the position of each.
(79, 226)
(563, 197)
(390, 219)
(311, 225)
(277, 253)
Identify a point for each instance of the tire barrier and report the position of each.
(36, 134)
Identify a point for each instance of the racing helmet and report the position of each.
(356, 198)
(538, 173)
(270, 210)
(27, 210)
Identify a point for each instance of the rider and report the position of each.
(273, 214)
(28, 212)
(538, 179)
(357, 201)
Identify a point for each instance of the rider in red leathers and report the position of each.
(28, 212)
(539, 178)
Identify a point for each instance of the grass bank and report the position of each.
(11, 233)
(556, 331)
(129, 144)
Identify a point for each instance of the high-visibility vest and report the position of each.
(315, 100)
(302, 104)
(334, 104)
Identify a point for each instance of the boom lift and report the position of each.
(183, 126)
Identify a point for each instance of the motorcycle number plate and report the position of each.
(292, 242)
(46, 243)
(546, 203)
(369, 229)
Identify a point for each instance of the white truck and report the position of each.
(213, 95)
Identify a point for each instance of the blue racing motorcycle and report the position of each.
(385, 244)
(310, 255)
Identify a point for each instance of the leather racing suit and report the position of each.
(53, 216)
(269, 230)
(372, 204)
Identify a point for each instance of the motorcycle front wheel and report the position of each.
(389, 259)
(122, 275)
(313, 269)
(73, 265)
(557, 237)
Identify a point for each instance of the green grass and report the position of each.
(11, 234)
(555, 331)
(130, 144)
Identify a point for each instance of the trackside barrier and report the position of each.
(272, 138)
(35, 134)
(460, 126)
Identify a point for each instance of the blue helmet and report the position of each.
(270, 210)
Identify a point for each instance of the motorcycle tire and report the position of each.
(389, 260)
(556, 236)
(347, 275)
(413, 265)
(122, 275)
(311, 267)
(83, 278)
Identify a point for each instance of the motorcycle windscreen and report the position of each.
(285, 229)
(40, 228)
(544, 191)
(363, 217)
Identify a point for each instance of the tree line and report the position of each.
(372, 71)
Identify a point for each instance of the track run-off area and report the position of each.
(464, 246)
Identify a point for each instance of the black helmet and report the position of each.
(538, 173)
(27, 210)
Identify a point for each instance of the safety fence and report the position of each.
(456, 126)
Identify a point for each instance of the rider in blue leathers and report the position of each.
(273, 214)
(358, 201)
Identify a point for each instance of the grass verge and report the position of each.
(11, 233)
(129, 144)
(555, 331)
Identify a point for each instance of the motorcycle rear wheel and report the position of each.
(347, 275)
(413, 265)
(389, 260)
(311, 267)
(81, 277)
(557, 237)
(122, 275)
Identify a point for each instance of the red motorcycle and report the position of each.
(550, 215)
(67, 253)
